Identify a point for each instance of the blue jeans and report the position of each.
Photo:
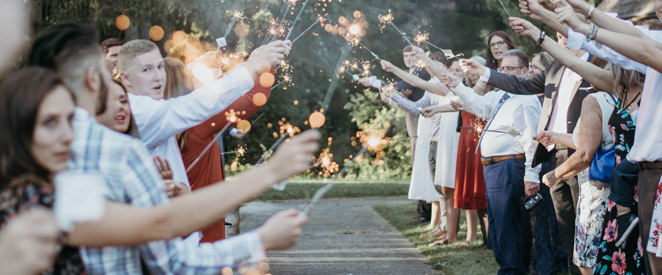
(504, 187)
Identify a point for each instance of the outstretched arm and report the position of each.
(600, 78)
(537, 12)
(630, 46)
(413, 80)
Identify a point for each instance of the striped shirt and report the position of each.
(131, 177)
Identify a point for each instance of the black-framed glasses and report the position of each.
(497, 44)
(507, 69)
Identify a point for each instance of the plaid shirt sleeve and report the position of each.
(411, 106)
(175, 256)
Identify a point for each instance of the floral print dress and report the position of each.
(28, 192)
(628, 258)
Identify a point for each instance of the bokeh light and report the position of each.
(316, 119)
(244, 125)
(267, 79)
(227, 270)
(260, 99)
(156, 33)
(354, 29)
(122, 22)
(242, 29)
(357, 14)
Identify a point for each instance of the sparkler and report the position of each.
(504, 7)
(304, 32)
(305, 4)
(208, 146)
(371, 52)
(388, 19)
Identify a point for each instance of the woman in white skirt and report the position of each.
(592, 132)
(422, 186)
(444, 140)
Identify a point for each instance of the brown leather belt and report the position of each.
(650, 165)
(493, 160)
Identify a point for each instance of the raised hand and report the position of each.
(240, 134)
(471, 67)
(270, 55)
(282, 230)
(451, 80)
(294, 156)
(164, 167)
(566, 14)
(524, 27)
(366, 81)
(387, 66)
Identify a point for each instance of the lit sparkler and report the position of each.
(305, 4)
(388, 19)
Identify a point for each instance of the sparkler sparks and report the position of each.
(422, 38)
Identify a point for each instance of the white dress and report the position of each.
(421, 187)
(592, 203)
(447, 144)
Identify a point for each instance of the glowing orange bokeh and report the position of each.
(316, 119)
(244, 125)
(156, 33)
(267, 79)
(122, 22)
(242, 29)
(354, 29)
(259, 99)
(357, 14)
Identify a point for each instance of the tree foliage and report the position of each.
(462, 26)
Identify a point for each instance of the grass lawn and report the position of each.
(449, 259)
(342, 189)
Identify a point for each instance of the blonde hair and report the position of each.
(131, 50)
(176, 86)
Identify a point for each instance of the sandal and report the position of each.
(440, 242)
(437, 233)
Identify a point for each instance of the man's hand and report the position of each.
(163, 166)
(550, 179)
(531, 188)
(282, 230)
(270, 55)
(472, 67)
(387, 66)
(294, 156)
(29, 243)
(451, 80)
(523, 27)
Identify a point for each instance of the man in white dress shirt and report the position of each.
(507, 149)
(142, 71)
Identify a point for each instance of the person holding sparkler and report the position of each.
(507, 159)
(443, 142)
(562, 105)
(192, 142)
(411, 121)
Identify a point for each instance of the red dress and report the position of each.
(469, 180)
(209, 169)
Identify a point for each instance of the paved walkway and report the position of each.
(343, 236)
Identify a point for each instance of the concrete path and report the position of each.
(343, 236)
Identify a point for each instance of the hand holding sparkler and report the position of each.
(294, 156)
(282, 230)
(524, 27)
(451, 80)
(265, 57)
(387, 66)
(458, 105)
(472, 67)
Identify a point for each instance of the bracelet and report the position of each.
(541, 39)
(590, 12)
(592, 33)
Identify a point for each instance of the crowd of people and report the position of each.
(543, 148)
(540, 152)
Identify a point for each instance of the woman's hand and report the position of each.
(550, 179)
(546, 138)
(566, 15)
(164, 167)
(429, 111)
(523, 27)
(387, 66)
(294, 156)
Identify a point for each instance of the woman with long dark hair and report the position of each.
(35, 145)
(498, 43)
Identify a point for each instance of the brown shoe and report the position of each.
(436, 234)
